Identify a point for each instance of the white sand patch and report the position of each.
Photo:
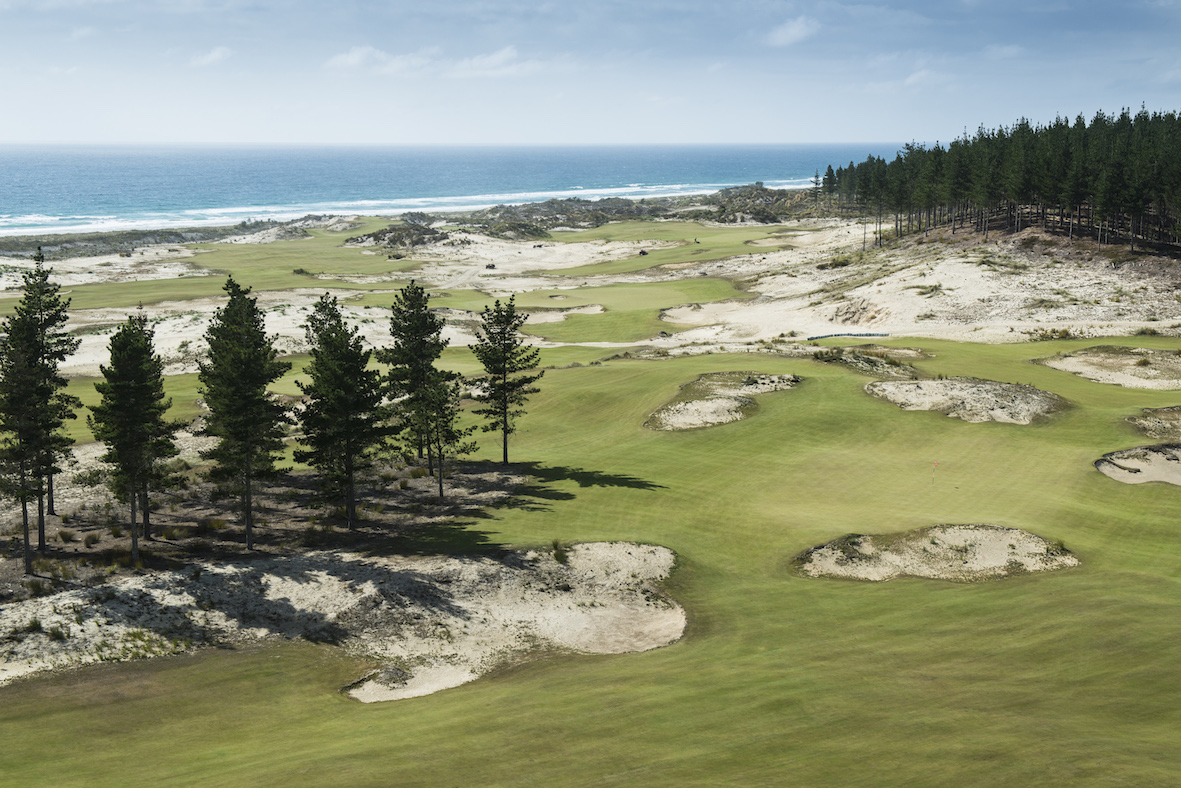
(1159, 423)
(970, 399)
(1138, 368)
(436, 621)
(963, 553)
(180, 328)
(716, 398)
(1143, 464)
(149, 262)
(296, 229)
(70, 495)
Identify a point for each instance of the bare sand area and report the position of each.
(717, 398)
(815, 280)
(1159, 423)
(1143, 464)
(961, 553)
(432, 621)
(970, 399)
(1131, 367)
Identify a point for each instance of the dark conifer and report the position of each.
(505, 356)
(344, 419)
(34, 404)
(129, 419)
(247, 420)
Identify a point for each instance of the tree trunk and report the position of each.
(351, 506)
(134, 526)
(440, 472)
(504, 434)
(41, 519)
(248, 512)
(25, 523)
(49, 489)
(146, 509)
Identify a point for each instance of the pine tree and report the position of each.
(441, 397)
(34, 404)
(417, 345)
(19, 394)
(500, 349)
(344, 418)
(245, 418)
(130, 417)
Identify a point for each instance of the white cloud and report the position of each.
(793, 31)
(502, 63)
(79, 33)
(379, 62)
(213, 56)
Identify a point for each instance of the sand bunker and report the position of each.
(962, 553)
(717, 398)
(1131, 367)
(970, 399)
(874, 360)
(435, 621)
(1143, 464)
(1159, 423)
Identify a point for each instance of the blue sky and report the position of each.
(588, 71)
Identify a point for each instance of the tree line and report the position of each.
(1118, 176)
(353, 412)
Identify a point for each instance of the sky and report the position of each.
(571, 72)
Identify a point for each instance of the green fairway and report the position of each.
(1065, 678)
(712, 243)
(631, 312)
(258, 266)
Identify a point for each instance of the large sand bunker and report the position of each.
(1132, 367)
(1143, 464)
(716, 398)
(962, 553)
(970, 399)
(435, 621)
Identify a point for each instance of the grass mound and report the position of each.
(971, 399)
(1159, 423)
(961, 553)
(1131, 367)
(717, 398)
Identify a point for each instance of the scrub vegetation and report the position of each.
(1061, 677)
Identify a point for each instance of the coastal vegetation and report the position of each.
(1030, 678)
(1115, 178)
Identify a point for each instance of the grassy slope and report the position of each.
(1057, 679)
(716, 243)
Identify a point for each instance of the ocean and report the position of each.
(63, 189)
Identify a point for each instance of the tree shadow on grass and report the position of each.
(538, 491)
(452, 537)
(586, 478)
